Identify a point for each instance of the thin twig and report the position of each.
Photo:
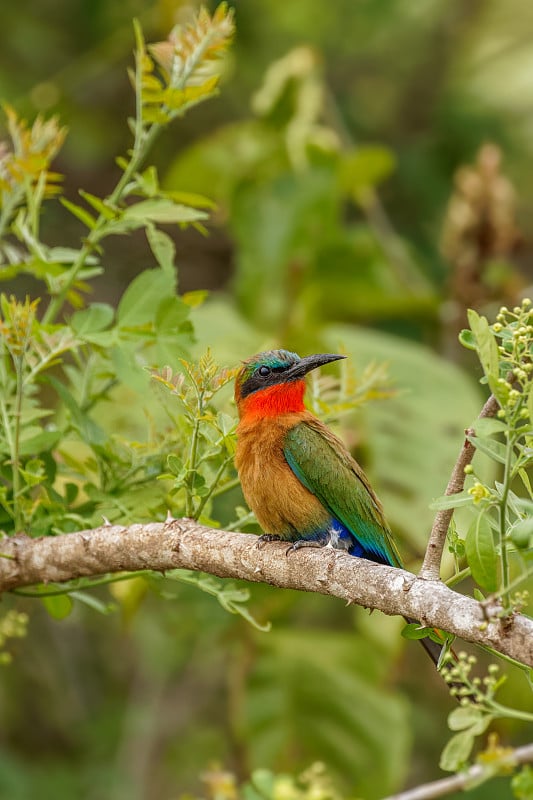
(430, 570)
(468, 778)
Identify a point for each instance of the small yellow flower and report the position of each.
(478, 492)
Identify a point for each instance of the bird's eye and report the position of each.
(264, 371)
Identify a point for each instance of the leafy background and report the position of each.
(331, 154)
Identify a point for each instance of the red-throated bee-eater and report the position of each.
(296, 475)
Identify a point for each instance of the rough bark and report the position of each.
(185, 544)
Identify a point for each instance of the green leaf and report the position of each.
(487, 347)
(171, 314)
(457, 751)
(295, 702)
(58, 606)
(495, 450)
(230, 597)
(93, 602)
(467, 339)
(164, 211)
(413, 630)
(99, 205)
(89, 431)
(521, 783)
(481, 553)
(45, 440)
(464, 717)
(93, 319)
(163, 248)
(365, 168)
(127, 368)
(140, 301)
(522, 533)
(175, 464)
(526, 481)
(489, 426)
(79, 212)
(452, 501)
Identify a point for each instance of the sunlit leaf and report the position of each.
(481, 553)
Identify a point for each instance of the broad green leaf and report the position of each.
(127, 368)
(171, 313)
(489, 426)
(261, 787)
(95, 318)
(164, 211)
(457, 751)
(464, 717)
(481, 553)
(175, 464)
(522, 533)
(296, 702)
(493, 449)
(142, 298)
(530, 403)
(44, 440)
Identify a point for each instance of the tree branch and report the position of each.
(185, 544)
(430, 570)
(469, 777)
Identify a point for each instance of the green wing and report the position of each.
(321, 462)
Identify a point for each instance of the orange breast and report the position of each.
(282, 505)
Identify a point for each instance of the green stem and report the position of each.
(227, 487)
(503, 519)
(509, 659)
(214, 484)
(15, 455)
(193, 454)
(89, 585)
(513, 713)
(458, 577)
(233, 526)
(8, 209)
(142, 144)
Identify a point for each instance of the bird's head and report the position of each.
(273, 382)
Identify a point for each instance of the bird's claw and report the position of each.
(304, 543)
(265, 538)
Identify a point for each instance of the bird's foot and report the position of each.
(266, 538)
(305, 543)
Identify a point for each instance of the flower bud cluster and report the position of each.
(470, 689)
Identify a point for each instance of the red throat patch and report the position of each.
(283, 398)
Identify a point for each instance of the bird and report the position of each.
(297, 476)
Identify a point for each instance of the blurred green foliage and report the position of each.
(330, 157)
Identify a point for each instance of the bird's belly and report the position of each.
(282, 505)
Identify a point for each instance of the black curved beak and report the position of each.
(305, 365)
